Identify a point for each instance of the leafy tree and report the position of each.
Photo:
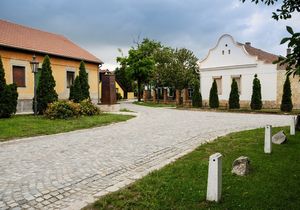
(287, 9)
(45, 92)
(196, 98)
(140, 62)
(286, 101)
(123, 76)
(76, 91)
(213, 96)
(8, 95)
(84, 83)
(234, 97)
(256, 103)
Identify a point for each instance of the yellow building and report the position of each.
(19, 43)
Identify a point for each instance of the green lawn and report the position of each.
(29, 125)
(274, 182)
(151, 104)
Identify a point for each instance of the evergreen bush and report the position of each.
(80, 89)
(75, 91)
(286, 101)
(213, 96)
(84, 82)
(234, 97)
(45, 90)
(256, 103)
(196, 98)
(8, 95)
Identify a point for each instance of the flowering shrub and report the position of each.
(62, 110)
(88, 108)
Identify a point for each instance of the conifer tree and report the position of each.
(196, 98)
(45, 92)
(75, 91)
(213, 96)
(8, 95)
(84, 83)
(256, 103)
(286, 101)
(234, 97)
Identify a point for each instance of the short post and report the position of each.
(214, 183)
(268, 139)
(293, 126)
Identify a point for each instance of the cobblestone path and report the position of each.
(72, 169)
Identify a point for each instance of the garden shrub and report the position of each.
(213, 96)
(45, 92)
(63, 110)
(196, 98)
(256, 103)
(119, 96)
(88, 108)
(286, 101)
(234, 97)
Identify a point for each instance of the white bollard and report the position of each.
(214, 183)
(268, 139)
(293, 126)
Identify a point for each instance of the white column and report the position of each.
(268, 139)
(214, 183)
(293, 126)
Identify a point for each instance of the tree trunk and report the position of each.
(139, 89)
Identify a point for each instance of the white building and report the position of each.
(230, 59)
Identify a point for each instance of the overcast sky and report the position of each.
(103, 26)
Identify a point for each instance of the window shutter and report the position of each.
(19, 76)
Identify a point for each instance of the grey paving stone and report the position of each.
(77, 167)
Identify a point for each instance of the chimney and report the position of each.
(288, 51)
(248, 43)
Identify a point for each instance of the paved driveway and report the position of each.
(68, 170)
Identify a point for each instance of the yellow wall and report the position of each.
(130, 95)
(59, 70)
(119, 89)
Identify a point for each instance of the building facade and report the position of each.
(19, 43)
(230, 60)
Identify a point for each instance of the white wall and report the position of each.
(238, 62)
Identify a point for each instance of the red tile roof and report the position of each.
(22, 37)
(261, 55)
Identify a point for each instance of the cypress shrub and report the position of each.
(213, 96)
(256, 103)
(75, 91)
(197, 98)
(8, 95)
(234, 97)
(45, 90)
(84, 83)
(286, 101)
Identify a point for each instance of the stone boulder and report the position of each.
(241, 166)
(298, 123)
(279, 138)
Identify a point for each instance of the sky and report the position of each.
(104, 26)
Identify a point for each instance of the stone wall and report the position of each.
(295, 86)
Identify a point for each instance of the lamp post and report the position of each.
(34, 66)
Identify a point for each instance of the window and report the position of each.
(219, 84)
(238, 81)
(19, 76)
(70, 78)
